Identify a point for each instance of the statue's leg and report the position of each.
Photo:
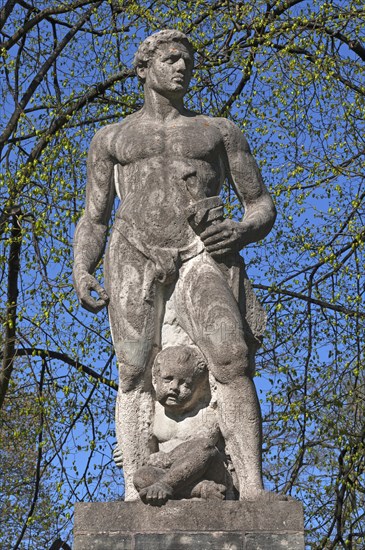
(147, 475)
(191, 462)
(208, 311)
(132, 314)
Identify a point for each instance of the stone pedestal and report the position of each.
(186, 525)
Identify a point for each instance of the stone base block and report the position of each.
(183, 525)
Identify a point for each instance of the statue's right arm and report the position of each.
(91, 231)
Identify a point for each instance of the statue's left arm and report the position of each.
(244, 175)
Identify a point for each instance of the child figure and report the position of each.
(188, 463)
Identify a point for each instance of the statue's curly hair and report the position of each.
(148, 47)
(181, 354)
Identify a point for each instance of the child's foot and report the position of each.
(156, 494)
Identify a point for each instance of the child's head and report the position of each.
(179, 377)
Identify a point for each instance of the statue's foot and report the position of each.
(209, 490)
(263, 495)
(156, 494)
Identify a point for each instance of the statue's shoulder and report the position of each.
(106, 136)
(226, 126)
(228, 129)
(115, 129)
(232, 134)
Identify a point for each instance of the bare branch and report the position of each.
(50, 354)
(92, 93)
(39, 459)
(12, 302)
(305, 298)
(41, 73)
(44, 14)
(6, 11)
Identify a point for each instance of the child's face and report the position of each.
(174, 384)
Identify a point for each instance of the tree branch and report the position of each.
(321, 303)
(39, 458)
(246, 77)
(11, 311)
(6, 11)
(41, 73)
(92, 93)
(44, 14)
(44, 354)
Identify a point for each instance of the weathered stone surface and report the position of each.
(174, 277)
(191, 516)
(189, 524)
(268, 541)
(104, 541)
(184, 541)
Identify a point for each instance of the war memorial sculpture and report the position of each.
(184, 319)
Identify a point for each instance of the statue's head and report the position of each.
(148, 47)
(165, 61)
(179, 377)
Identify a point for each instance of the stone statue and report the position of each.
(173, 273)
(188, 462)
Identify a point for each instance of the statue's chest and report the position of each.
(193, 140)
(166, 429)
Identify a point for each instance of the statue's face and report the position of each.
(169, 71)
(174, 385)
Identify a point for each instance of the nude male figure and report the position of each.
(159, 161)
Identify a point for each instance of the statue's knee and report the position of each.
(133, 358)
(230, 364)
(131, 377)
(143, 477)
(207, 450)
(207, 446)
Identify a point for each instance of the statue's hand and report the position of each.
(84, 285)
(224, 238)
(118, 456)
